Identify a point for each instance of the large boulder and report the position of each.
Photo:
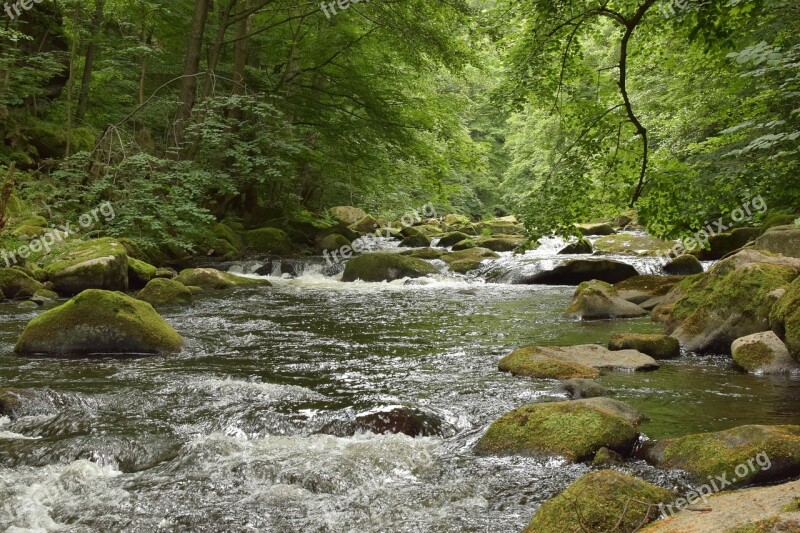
(733, 299)
(595, 229)
(684, 265)
(746, 455)
(268, 241)
(723, 244)
(347, 215)
(781, 240)
(580, 247)
(464, 261)
(500, 227)
(161, 291)
(385, 267)
(763, 353)
(94, 264)
(507, 243)
(785, 318)
(333, 242)
(139, 273)
(451, 239)
(594, 300)
(210, 278)
(15, 283)
(365, 225)
(654, 345)
(632, 244)
(576, 271)
(98, 322)
(599, 502)
(416, 241)
(565, 362)
(575, 430)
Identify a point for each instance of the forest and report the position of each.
(400, 265)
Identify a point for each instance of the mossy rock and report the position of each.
(469, 254)
(268, 241)
(416, 241)
(639, 289)
(456, 220)
(44, 297)
(655, 345)
(733, 299)
(684, 265)
(595, 229)
(600, 502)
(379, 267)
(724, 244)
(162, 291)
(707, 455)
(134, 250)
(596, 300)
(425, 253)
(139, 273)
(628, 244)
(28, 233)
(565, 362)
(93, 264)
(605, 458)
(531, 362)
(499, 227)
(36, 221)
(576, 271)
(785, 318)
(464, 266)
(221, 230)
(452, 238)
(466, 244)
(334, 241)
(211, 278)
(578, 388)
(781, 240)
(347, 215)
(224, 249)
(365, 225)
(581, 247)
(99, 322)
(763, 353)
(507, 243)
(16, 284)
(574, 430)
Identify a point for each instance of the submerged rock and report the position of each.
(210, 278)
(579, 388)
(733, 299)
(576, 271)
(379, 267)
(655, 345)
(394, 419)
(165, 292)
(600, 502)
(94, 264)
(565, 362)
(763, 353)
(781, 240)
(594, 300)
(574, 430)
(99, 322)
(745, 455)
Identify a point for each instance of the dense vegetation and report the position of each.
(185, 112)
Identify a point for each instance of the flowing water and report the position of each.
(263, 422)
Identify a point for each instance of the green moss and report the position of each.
(334, 241)
(416, 241)
(473, 254)
(424, 253)
(499, 244)
(385, 267)
(655, 285)
(223, 231)
(452, 238)
(98, 321)
(97, 263)
(36, 221)
(785, 318)
(530, 361)
(139, 273)
(600, 502)
(623, 243)
(165, 292)
(706, 455)
(654, 345)
(463, 266)
(768, 525)
(17, 284)
(224, 249)
(753, 356)
(569, 429)
(268, 240)
(792, 507)
(210, 278)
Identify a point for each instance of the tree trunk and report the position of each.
(5, 194)
(190, 70)
(88, 64)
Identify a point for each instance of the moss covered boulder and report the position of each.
(332, 242)
(506, 243)
(268, 241)
(565, 362)
(379, 267)
(365, 225)
(574, 430)
(161, 291)
(346, 214)
(211, 278)
(98, 322)
(600, 502)
(763, 353)
(594, 300)
(14, 283)
(733, 299)
(785, 318)
(416, 241)
(684, 265)
(94, 264)
(655, 345)
(595, 229)
(471, 254)
(456, 220)
(639, 289)
(580, 247)
(724, 244)
(746, 454)
(451, 239)
(781, 240)
(424, 253)
(576, 271)
(139, 273)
